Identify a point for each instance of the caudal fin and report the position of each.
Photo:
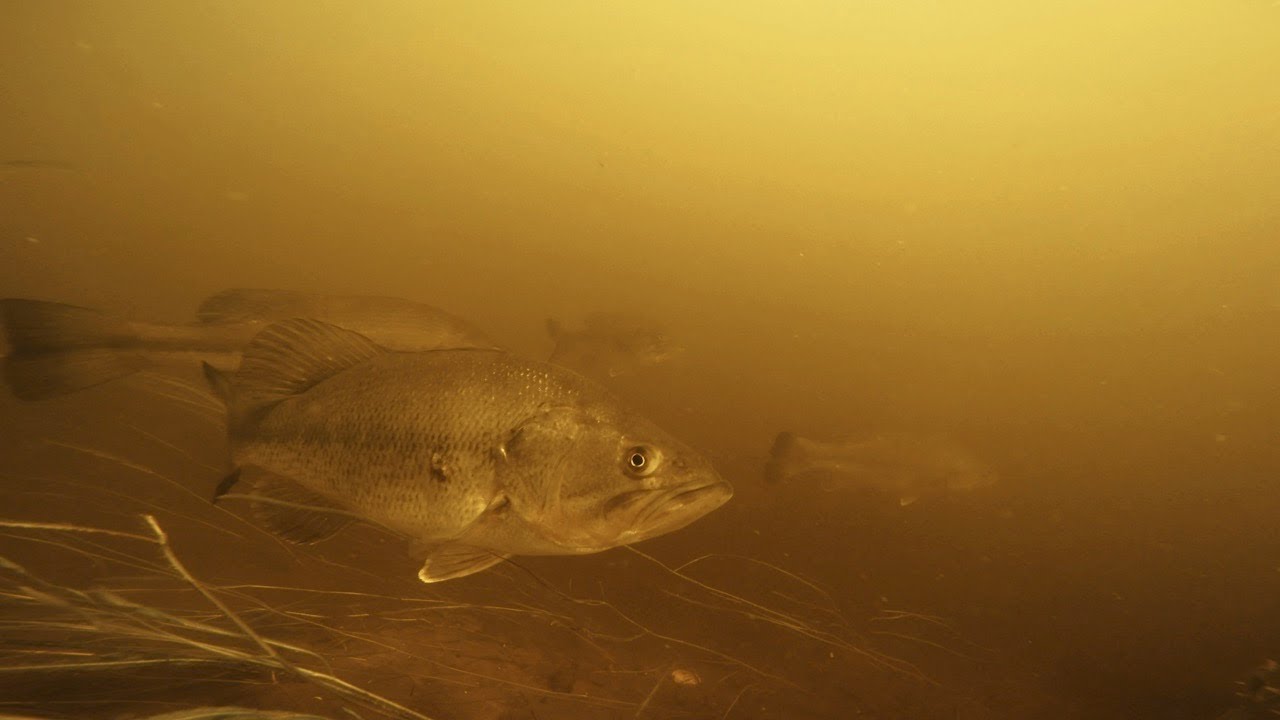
(56, 349)
(781, 458)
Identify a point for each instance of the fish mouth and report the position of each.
(679, 507)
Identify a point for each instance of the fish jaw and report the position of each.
(627, 518)
(664, 511)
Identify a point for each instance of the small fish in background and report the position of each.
(55, 348)
(1259, 695)
(904, 466)
(610, 344)
(473, 455)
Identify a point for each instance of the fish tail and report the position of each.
(55, 349)
(782, 458)
(554, 329)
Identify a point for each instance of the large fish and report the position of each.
(610, 344)
(473, 455)
(906, 466)
(56, 348)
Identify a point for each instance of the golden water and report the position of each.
(1050, 230)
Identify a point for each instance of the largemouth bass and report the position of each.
(473, 455)
(56, 348)
(610, 344)
(905, 466)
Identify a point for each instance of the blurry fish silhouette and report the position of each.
(1259, 696)
(610, 344)
(907, 467)
(473, 455)
(56, 348)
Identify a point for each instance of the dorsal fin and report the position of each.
(290, 357)
(252, 304)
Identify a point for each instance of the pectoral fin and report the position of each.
(455, 560)
(286, 508)
(906, 500)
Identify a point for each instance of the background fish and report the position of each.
(57, 348)
(610, 344)
(474, 455)
(906, 466)
(1259, 695)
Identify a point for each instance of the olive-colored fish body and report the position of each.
(56, 348)
(610, 344)
(902, 465)
(474, 455)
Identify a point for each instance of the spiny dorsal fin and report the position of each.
(245, 304)
(292, 356)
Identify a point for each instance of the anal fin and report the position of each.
(455, 560)
(285, 507)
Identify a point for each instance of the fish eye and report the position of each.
(641, 460)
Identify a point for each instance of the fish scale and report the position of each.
(475, 455)
(357, 436)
